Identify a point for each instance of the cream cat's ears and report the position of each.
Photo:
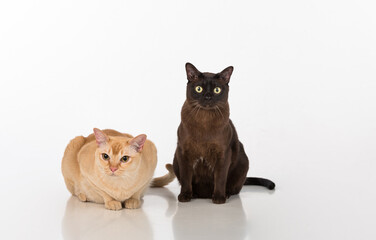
(138, 142)
(100, 137)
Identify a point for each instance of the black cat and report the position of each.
(210, 161)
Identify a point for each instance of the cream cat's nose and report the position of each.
(113, 169)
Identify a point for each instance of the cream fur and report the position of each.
(88, 176)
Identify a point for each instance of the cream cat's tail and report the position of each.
(164, 180)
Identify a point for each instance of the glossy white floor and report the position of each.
(302, 99)
(322, 193)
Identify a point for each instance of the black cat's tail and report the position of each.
(260, 182)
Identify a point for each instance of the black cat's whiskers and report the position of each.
(219, 110)
(198, 109)
(195, 108)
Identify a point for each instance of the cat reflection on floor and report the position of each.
(210, 222)
(91, 221)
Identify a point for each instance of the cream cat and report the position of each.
(111, 168)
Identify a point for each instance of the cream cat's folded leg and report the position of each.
(112, 205)
(82, 197)
(94, 194)
(135, 201)
(109, 202)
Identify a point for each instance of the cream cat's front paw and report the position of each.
(113, 205)
(132, 203)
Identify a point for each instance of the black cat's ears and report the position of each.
(192, 72)
(226, 74)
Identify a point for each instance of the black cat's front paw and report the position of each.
(185, 197)
(218, 199)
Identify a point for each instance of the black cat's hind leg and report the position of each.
(175, 165)
(237, 173)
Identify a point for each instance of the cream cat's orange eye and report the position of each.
(217, 90)
(105, 156)
(124, 159)
(198, 89)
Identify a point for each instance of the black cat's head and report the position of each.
(207, 89)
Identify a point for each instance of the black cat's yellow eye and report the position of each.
(198, 89)
(124, 159)
(217, 90)
(105, 156)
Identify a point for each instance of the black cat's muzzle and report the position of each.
(208, 96)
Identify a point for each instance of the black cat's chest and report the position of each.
(202, 152)
(203, 170)
(201, 163)
(205, 125)
(203, 159)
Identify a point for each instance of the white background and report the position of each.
(302, 98)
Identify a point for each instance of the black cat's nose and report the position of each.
(207, 96)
